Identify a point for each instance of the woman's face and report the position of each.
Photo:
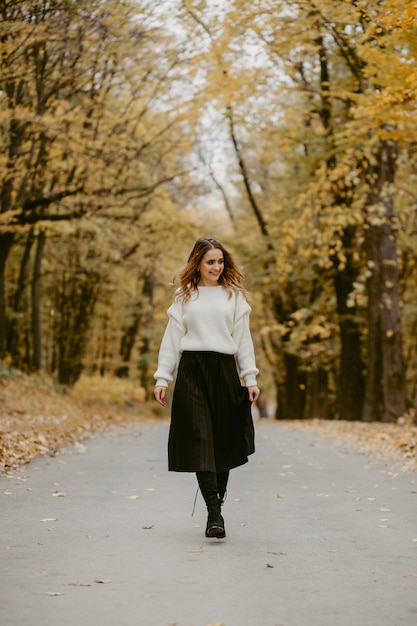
(211, 266)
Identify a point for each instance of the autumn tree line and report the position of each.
(286, 130)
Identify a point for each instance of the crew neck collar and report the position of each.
(209, 286)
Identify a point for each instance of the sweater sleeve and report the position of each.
(169, 352)
(245, 356)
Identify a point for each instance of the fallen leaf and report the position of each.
(59, 494)
(270, 566)
(102, 581)
(148, 527)
(279, 495)
(55, 593)
(395, 441)
(132, 498)
(200, 549)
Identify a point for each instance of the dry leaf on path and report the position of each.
(55, 593)
(200, 549)
(102, 581)
(397, 442)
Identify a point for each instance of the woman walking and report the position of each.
(208, 343)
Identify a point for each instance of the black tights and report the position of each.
(222, 479)
(212, 483)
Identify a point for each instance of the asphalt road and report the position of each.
(317, 535)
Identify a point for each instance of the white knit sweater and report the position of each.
(210, 320)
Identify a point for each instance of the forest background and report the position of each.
(288, 131)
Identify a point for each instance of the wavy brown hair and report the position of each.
(188, 277)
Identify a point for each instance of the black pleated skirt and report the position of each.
(211, 421)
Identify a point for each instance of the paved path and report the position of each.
(317, 535)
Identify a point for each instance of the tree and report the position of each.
(89, 130)
(330, 61)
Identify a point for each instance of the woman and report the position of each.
(208, 341)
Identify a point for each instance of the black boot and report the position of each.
(215, 522)
(222, 479)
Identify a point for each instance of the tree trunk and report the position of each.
(293, 400)
(415, 409)
(6, 242)
(148, 293)
(351, 385)
(319, 394)
(76, 306)
(36, 303)
(13, 333)
(351, 374)
(127, 342)
(385, 397)
(262, 408)
(103, 354)
(142, 318)
(374, 397)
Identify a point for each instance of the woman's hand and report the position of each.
(160, 395)
(253, 392)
